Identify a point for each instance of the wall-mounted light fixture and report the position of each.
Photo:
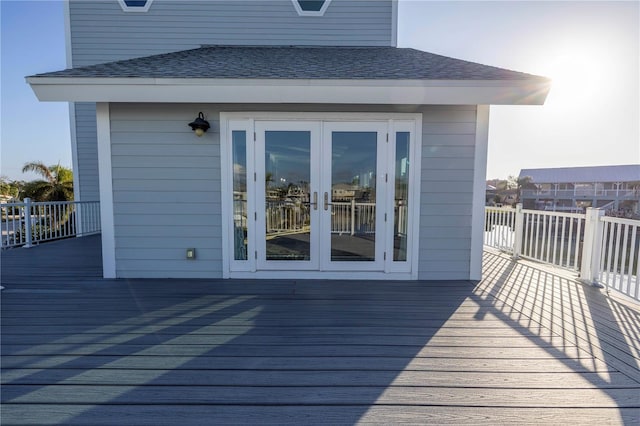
(199, 125)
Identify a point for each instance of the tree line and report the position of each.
(55, 184)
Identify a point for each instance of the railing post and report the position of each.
(591, 247)
(353, 217)
(79, 215)
(518, 231)
(27, 222)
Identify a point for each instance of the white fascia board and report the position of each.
(412, 92)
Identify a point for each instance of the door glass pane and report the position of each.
(287, 177)
(239, 153)
(353, 195)
(401, 198)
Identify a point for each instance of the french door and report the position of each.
(286, 188)
(353, 195)
(319, 196)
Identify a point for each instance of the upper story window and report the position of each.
(135, 5)
(311, 7)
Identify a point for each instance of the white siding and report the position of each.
(167, 198)
(448, 139)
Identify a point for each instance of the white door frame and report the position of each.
(392, 123)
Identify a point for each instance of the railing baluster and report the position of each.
(609, 252)
(576, 263)
(569, 243)
(563, 222)
(607, 242)
(547, 237)
(632, 261)
(623, 258)
(535, 250)
(556, 226)
(57, 217)
(529, 233)
(617, 252)
(27, 215)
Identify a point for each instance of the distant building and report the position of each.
(615, 189)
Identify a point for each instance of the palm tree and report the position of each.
(57, 184)
(11, 188)
(520, 183)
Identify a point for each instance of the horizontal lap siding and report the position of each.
(448, 150)
(87, 152)
(166, 191)
(167, 186)
(102, 32)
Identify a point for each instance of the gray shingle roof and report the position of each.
(297, 63)
(623, 173)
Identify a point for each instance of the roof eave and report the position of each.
(347, 91)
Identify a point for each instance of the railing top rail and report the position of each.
(552, 213)
(348, 203)
(500, 209)
(46, 203)
(623, 221)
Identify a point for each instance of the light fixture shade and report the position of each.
(199, 125)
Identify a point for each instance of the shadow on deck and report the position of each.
(526, 344)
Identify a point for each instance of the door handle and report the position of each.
(326, 201)
(315, 201)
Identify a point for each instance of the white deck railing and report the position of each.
(346, 218)
(286, 217)
(619, 255)
(581, 192)
(604, 250)
(351, 218)
(552, 237)
(27, 223)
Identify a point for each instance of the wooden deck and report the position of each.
(525, 345)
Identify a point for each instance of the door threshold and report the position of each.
(323, 275)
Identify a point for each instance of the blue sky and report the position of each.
(32, 41)
(590, 49)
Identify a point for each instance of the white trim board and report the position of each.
(103, 126)
(126, 8)
(325, 275)
(389, 92)
(301, 12)
(248, 121)
(479, 187)
(72, 106)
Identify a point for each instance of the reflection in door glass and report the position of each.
(353, 196)
(401, 198)
(239, 153)
(287, 177)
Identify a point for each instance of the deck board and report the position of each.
(206, 415)
(527, 344)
